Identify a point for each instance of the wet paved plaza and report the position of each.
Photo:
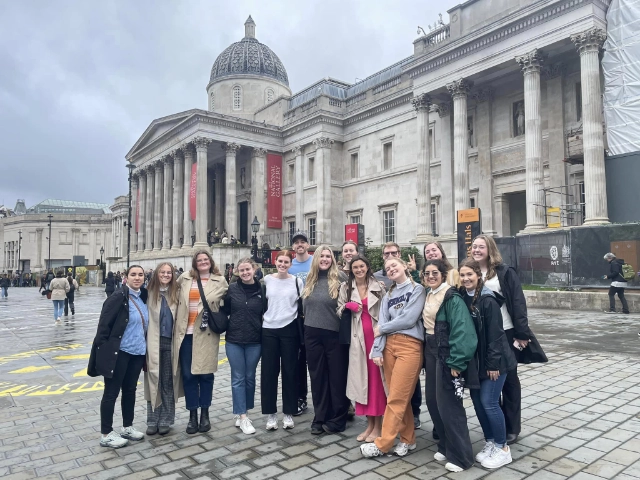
(581, 412)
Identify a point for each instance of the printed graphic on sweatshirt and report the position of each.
(399, 302)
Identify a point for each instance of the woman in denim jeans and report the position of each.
(243, 304)
(495, 359)
(59, 288)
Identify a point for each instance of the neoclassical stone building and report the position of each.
(499, 109)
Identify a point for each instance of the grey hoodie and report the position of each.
(400, 312)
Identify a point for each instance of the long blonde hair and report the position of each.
(406, 271)
(495, 258)
(154, 285)
(314, 271)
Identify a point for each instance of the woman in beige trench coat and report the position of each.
(161, 389)
(362, 294)
(197, 347)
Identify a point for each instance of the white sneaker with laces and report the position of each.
(439, 457)
(453, 468)
(287, 422)
(113, 440)
(403, 448)
(272, 422)
(370, 450)
(497, 459)
(246, 426)
(485, 452)
(238, 420)
(131, 433)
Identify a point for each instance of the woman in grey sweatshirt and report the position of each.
(398, 349)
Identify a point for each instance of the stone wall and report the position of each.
(586, 300)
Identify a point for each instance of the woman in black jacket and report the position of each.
(503, 279)
(243, 305)
(109, 284)
(118, 354)
(495, 359)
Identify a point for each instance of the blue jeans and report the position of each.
(243, 360)
(198, 389)
(486, 402)
(4, 292)
(58, 309)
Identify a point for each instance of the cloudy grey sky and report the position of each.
(82, 79)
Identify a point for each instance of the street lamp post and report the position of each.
(50, 217)
(19, 250)
(130, 166)
(255, 227)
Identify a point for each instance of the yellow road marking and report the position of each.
(31, 353)
(80, 356)
(81, 373)
(31, 369)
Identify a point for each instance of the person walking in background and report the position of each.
(70, 299)
(49, 278)
(503, 279)
(280, 342)
(618, 283)
(118, 354)
(59, 287)
(362, 294)
(196, 343)
(5, 283)
(109, 284)
(495, 359)
(397, 348)
(161, 388)
(243, 304)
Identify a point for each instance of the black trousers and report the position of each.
(125, 377)
(279, 349)
(447, 412)
(612, 299)
(303, 389)
(416, 399)
(68, 302)
(511, 402)
(328, 362)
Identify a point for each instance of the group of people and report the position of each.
(363, 337)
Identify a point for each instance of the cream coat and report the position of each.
(358, 379)
(59, 288)
(205, 343)
(152, 375)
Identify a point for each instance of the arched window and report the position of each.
(212, 102)
(237, 98)
(269, 96)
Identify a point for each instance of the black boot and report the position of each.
(205, 424)
(192, 426)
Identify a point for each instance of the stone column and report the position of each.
(157, 205)
(167, 207)
(149, 230)
(323, 189)
(187, 223)
(219, 197)
(483, 98)
(259, 187)
(297, 151)
(422, 104)
(142, 205)
(501, 209)
(75, 242)
(531, 64)
(201, 144)
(595, 187)
(134, 213)
(178, 198)
(38, 248)
(459, 90)
(231, 206)
(447, 213)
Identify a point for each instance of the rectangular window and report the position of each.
(387, 153)
(292, 230)
(434, 219)
(291, 178)
(63, 237)
(354, 165)
(579, 101)
(312, 231)
(389, 226)
(432, 144)
(311, 169)
(473, 202)
(354, 219)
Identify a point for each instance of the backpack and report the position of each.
(627, 272)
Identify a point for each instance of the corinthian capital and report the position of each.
(158, 165)
(459, 88)
(187, 149)
(201, 143)
(553, 71)
(297, 150)
(323, 142)
(531, 62)
(483, 94)
(231, 148)
(590, 40)
(421, 102)
(167, 160)
(443, 109)
(259, 152)
(176, 155)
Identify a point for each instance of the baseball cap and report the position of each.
(297, 236)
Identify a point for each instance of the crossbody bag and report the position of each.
(218, 323)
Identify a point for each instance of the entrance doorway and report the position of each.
(517, 212)
(244, 222)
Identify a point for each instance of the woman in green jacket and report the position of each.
(450, 345)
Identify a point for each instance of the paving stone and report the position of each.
(111, 473)
(622, 456)
(266, 472)
(81, 471)
(585, 433)
(144, 475)
(233, 471)
(633, 445)
(298, 449)
(114, 462)
(173, 466)
(55, 468)
(185, 452)
(470, 474)
(603, 468)
(359, 466)
(566, 467)
(585, 455)
(585, 476)
(327, 451)
(210, 455)
(549, 453)
(303, 473)
(264, 460)
(329, 463)
(633, 470)
(506, 473)
(528, 464)
(297, 461)
(429, 471)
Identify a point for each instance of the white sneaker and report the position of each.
(403, 448)
(131, 433)
(497, 459)
(113, 440)
(246, 426)
(58, 322)
(485, 452)
(439, 457)
(272, 422)
(287, 422)
(453, 468)
(370, 450)
(238, 420)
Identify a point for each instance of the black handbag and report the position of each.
(218, 322)
(300, 317)
(344, 334)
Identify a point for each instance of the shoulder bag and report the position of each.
(218, 322)
(300, 317)
(144, 365)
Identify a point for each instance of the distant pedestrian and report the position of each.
(4, 286)
(69, 301)
(618, 283)
(109, 284)
(118, 279)
(49, 278)
(59, 288)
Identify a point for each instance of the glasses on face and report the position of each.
(434, 274)
(393, 254)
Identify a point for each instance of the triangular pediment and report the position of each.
(158, 128)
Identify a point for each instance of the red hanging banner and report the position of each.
(274, 191)
(192, 190)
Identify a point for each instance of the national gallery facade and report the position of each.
(500, 109)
